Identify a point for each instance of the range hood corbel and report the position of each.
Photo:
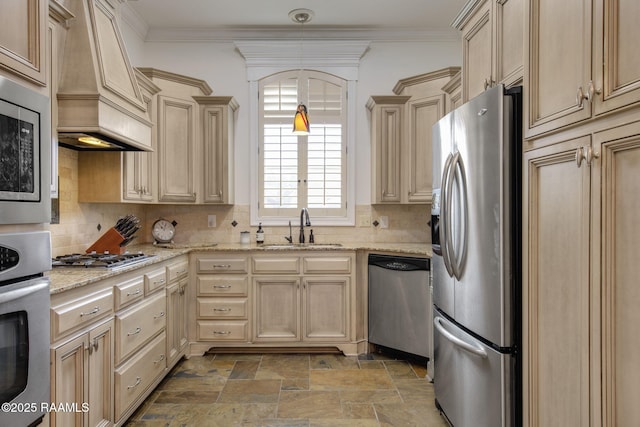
(98, 94)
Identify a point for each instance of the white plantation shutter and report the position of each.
(302, 171)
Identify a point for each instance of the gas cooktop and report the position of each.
(99, 260)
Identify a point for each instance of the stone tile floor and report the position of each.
(301, 390)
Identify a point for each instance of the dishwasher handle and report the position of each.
(398, 263)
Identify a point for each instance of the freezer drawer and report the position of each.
(472, 381)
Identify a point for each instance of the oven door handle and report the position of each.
(16, 294)
(476, 351)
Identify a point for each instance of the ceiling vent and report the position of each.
(100, 106)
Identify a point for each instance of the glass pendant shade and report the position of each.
(301, 121)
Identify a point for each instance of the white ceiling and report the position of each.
(167, 19)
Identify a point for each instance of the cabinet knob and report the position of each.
(586, 154)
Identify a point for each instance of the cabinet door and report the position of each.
(556, 287)
(326, 308)
(620, 199)
(616, 60)
(387, 130)
(277, 309)
(509, 39)
(70, 380)
(477, 55)
(137, 180)
(23, 39)
(423, 114)
(176, 320)
(100, 375)
(176, 149)
(557, 64)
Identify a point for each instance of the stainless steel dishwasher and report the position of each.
(400, 304)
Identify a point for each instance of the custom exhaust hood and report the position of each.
(100, 106)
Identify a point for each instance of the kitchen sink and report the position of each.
(302, 245)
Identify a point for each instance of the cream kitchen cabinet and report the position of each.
(304, 299)
(222, 314)
(178, 281)
(426, 106)
(492, 44)
(82, 372)
(23, 40)
(179, 146)
(82, 352)
(217, 122)
(579, 288)
(387, 134)
(453, 89)
(594, 71)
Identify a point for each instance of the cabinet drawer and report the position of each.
(128, 292)
(155, 280)
(177, 271)
(220, 330)
(233, 308)
(214, 285)
(327, 265)
(279, 265)
(134, 327)
(135, 376)
(219, 265)
(81, 313)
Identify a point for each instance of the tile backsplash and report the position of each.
(79, 222)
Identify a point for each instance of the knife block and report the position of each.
(109, 242)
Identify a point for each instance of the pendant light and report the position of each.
(301, 119)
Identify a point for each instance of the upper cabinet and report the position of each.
(23, 39)
(401, 137)
(594, 71)
(217, 120)
(492, 44)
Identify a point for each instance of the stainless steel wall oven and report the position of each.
(24, 327)
(25, 155)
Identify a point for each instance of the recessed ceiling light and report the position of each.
(301, 16)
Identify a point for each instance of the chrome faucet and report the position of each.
(304, 215)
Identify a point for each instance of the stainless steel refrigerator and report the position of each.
(475, 226)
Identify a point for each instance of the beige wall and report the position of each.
(78, 227)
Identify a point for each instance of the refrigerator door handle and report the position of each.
(445, 213)
(471, 348)
(460, 177)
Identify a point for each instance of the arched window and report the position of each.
(302, 171)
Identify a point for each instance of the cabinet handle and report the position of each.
(138, 381)
(222, 332)
(155, 362)
(181, 272)
(221, 286)
(488, 82)
(222, 266)
(159, 282)
(92, 312)
(586, 154)
(159, 316)
(137, 331)
(592, 92)
(137, 292)
(222, 309)
(96, 344)
(581, 97)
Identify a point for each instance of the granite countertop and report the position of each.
(66, 278)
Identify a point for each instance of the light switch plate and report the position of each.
(384, 221)
(211, 220)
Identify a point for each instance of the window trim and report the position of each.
(254, 132)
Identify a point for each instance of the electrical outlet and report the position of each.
(211, 220)
(364, 221)
(384, 221)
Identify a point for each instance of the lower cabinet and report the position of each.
(296, 301)
(301, 309)
(111, 342)
(82, 375)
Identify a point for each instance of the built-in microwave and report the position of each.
(25, 154)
